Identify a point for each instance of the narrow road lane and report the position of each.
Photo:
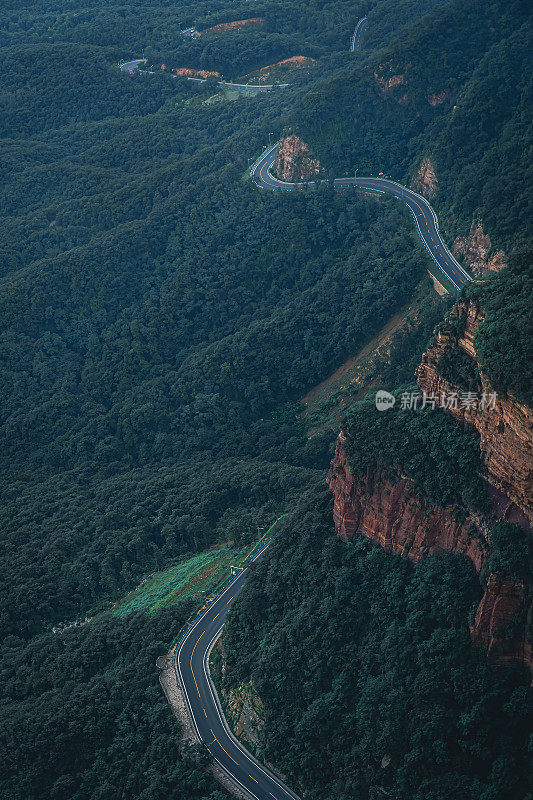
(192, 666)
(132, 67)
(357, 38)
(425, 218)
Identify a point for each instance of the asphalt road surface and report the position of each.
(131, 67)
(357, 37)
(191, 660)
(191, 656)
(425, 218)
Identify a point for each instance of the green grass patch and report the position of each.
(196, 577)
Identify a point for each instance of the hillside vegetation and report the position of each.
(161, 316)
(455, 87)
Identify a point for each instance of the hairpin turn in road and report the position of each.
(425, 218)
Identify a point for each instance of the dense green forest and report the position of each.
(437, 452)
(369, 682)
(460, 95)
(504, 340)
(161, 318)
(84, 716)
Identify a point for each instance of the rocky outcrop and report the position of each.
(438, 97)
(244, 709)
(187, 72)
(294, 161)
(475, 249)
(501, 605)
(425, 180)
(386, 84)
(387, 78)
(383, 505)
(505, 425)
(390, 513)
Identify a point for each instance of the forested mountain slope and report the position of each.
(161, 318)
(455, 89)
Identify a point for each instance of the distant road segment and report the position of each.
(357, 38)
(131, 67)
(425, 218)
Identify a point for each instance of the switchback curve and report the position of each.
(423, 214)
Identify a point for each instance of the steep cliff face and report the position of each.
(382, 505)
(505, 425)
(502, 603)
(475, 250)
(294, 161)
(388, 511)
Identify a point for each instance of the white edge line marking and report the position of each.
(214, 694)
(287, 186)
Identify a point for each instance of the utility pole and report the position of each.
(259, 529)
(269, 135)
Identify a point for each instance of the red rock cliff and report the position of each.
(391, 514)
(503, 599)
(506, 430)
(294, 161)
(425, 181)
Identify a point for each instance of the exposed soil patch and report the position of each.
(280, 69)
(325, 405)
(224, 27)
(188, 72)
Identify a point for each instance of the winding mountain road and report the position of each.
(191, 655)
(191, 658)
(132, 67)
(425, 218)
(357, 38)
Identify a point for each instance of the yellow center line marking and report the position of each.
(194, 676)
(254, 779)
(228, 755)
(205, 713)
(231, 598)
(218, 615)
(273, 795)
